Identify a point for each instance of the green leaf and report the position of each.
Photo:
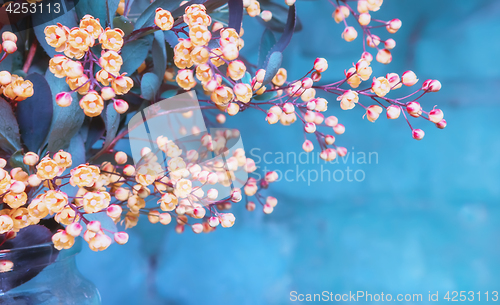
(149, 86)
(168, 94)
(266, 96)
(272, 67)
(98, 9)
(9, 130)
(266, 43)
(147, 17)
(35, 114)
(67, 19)
(123, 23)
(247, 78)
(134, 53)
(66, 121)
(112, 123)
(159, 53)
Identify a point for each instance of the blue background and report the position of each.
(425, 218)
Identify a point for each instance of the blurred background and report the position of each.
(424, 218)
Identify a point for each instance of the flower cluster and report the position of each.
(77, 65)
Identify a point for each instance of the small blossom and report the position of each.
(348, 100)
(91, 25)
(328, 154)
(331, 121)
(414, 109)
(339, 129)
(185, 79)
(15, 200)
(84, 175)
(394, 80)
(236, 69)
(349, 34)
(340, 13)
(47, 169)
(222, 95)
(92, 104)
(80, 84)
(363, 69)
(55, 201)
(441, 124)
(122, 84)
(199, 35)
(6, 224)
(390, 44)
(280, 78)
(164, 19)
(112, 39)
(64, 99)
(56, 36)
(329, 139)
(243, 92)
(373, 112)
(95, 201)
(9, 46)
(62, 240)
(393, 26)
(63, 159)
(393, 112)
(364, 19)
(418, 134)
(253, 9)
(111, 61)
(80, 39)
(99, 242)
(226, 219)
(381, 86)
(384, 56)
(120, 238)
(307, 146)
(436, 115)
(373, 41)
(74, 229)
(409, 78)
(30, 158)
(120, 106)
(353, 78)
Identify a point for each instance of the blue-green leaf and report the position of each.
(168, 94)
(266, 96)
(9, 130)
(272, 67)
(98, 9)
(34, 114)
(67, 19)
(16, 160)
(112, 122)
(134, 53)
(66, 121)
(149, 86)
(235, 14)
(266, 43)
(247, 78)
(159, 53)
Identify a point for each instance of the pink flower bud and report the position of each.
(197, 228)
(17, 187)
(107, 93)
(288, 108)
(418, 134)
(328, 154)
(316, 76)
(436, 115)
(129, 170)
(340, 13)
(120, 106)
(319, 118)
(199, 212)
(272, 201)
(165, 219)
(329, 139)
(271, 176)
(121, 157)
(393, 112)
(384, 56)
(268, 209)
(250, 206)
(394, 80)
(212, 194)
(307, 146)
(272, 118)
(339, 129)
(74, 229)
(414, 109)
(373, 112)
(9, 46)
(212, 178)
(311, 105)
(367, 56)
(431, 85)
(342, 151)
(230, 51)
(259, 75)
(64, 99)
(331, 121)
(120, 238)
(30, 158)
(390, 44)
(321, 104)
(266, 15)
(114, 211)
(307, 83)
(393, 26)
(409, 78)
(94, 226)
(364, 19)
(9, 36)
(320, 65)
(442, 124)
(221, 118)
(34, 180)
(310, 127)
(211, 85)
(349, 34)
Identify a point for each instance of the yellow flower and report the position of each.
(196, 14)
(112, 39)
(122, 84)
(243, 92)
(20, 218)
(363, 69)
(91, 25)
(164, 19)
(216, 57)
(19, 89)
(131, 219)
(353, 79)
(222, 95)
(185, 79)
(199, 35)
(381, 86)
(135, 203)
(103, 77)
(227, 36)
(95, 201)
(92, 104)
(47, 169)
(111, 61)
(38, 208)
(5, 78)
(63, 240)
(84, 175)
(63, 159)
(168, 202)
(227, 220)
(72, 69)
(373, 112)
(15, 200)
(57, 36)
(54, 200)
(183, 48)
(66, 216)
(200, 55)
(236, 69)
(99, 242)
(73, 52)
(6, 223)
(183, 188)
(253, 9)
(280, 78)
(203, 73)
(80, 84)
(348, 100)
(183, 62)
(80, 39)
